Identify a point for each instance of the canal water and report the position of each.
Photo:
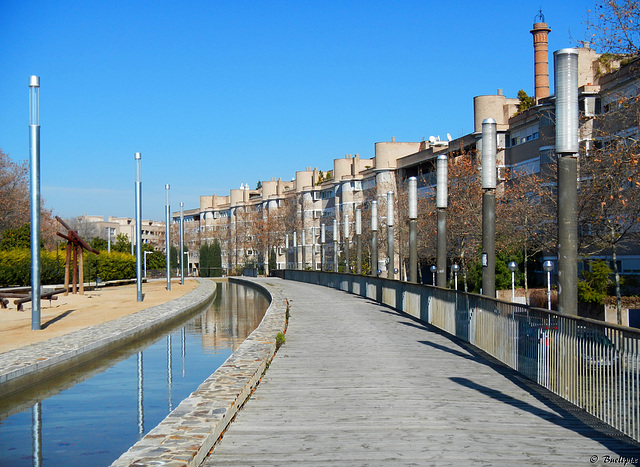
(94, 413)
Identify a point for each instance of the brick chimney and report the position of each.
(540, 33)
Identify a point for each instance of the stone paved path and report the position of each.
(359, 384)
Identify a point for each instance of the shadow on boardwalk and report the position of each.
(357, 383)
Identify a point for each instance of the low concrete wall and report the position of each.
(25, 366)
(187, 434)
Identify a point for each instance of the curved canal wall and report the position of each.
(27, 365)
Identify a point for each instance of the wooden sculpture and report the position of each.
(75, 247)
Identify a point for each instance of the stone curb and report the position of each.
(21, 367)
(186, 435)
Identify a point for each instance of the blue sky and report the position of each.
(215, 94)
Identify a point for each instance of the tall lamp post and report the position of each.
(548, 267)
(374, 238)
(181, 243)
(390, 236)
(346, 243)
(413, 229)
(358, 241)
(489, 179)
(168, 235)
(335, 245)
(513, 267)
(442, 175)
(322, 242)
(139, 259)
(34, 157)
(567, 124)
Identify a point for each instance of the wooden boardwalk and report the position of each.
(357, 383)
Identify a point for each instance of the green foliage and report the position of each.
(15, 268)
(99, 244)
(109, 266)
(211, 260)
(273, 263)
(15, 239)
(280, 339)
(173, 258)
(593, 289)
(122, 244)
(217, 259)
(526, 102)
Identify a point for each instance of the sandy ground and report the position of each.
(73, 312)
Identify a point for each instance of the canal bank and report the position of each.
(21, 367)
(187, 434)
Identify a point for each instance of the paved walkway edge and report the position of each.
(21, 367)
(186, 435)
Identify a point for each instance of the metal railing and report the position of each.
(594, 365)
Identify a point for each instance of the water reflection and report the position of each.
(87, 412)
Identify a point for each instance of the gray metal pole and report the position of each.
(322, 241)
(390, 237)
(181, 243)
(442, 173)
(108, 239)
(489, 181)
(567, 127)
(303, 249)
(34, 153)
(488, 243)
(374, 238)
(358, 241)
(335, 245)
(295, 251)
(441, 259)
(413, 229)
(138, 236)
(347, 269)
(567, 235)
(168, 235)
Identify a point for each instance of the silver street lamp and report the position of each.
(548, 267)
(513, 267)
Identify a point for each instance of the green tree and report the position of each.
(594, 287)
(206, 260)
(19, 238)
(98, 243)
(526, 102)
(122, 244)
(173, 258)
(216, 253)
(273, 264)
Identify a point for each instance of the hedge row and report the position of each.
(15, 267)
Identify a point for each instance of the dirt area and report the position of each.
(74, 312)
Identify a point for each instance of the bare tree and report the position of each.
(614, 26)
